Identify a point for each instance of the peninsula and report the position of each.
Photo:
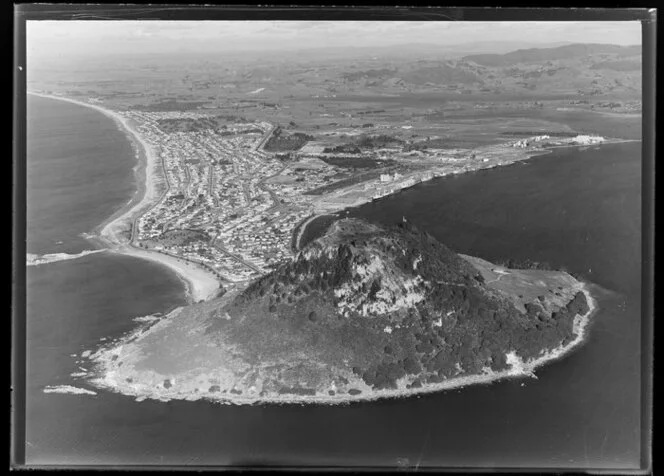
(364, 312)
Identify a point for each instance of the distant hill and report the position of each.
(535, 55)
(498, 47)
(442, 74)
(369, 74)
(571, 69)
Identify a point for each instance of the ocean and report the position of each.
(574, 208)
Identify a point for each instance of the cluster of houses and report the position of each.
(581, 139)
(218, 184)
(244, 201)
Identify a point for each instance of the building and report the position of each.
(585, 139)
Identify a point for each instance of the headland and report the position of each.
(431, 320)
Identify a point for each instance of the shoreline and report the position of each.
(533, 154)
(300, 231)
(103, 378)
(303, 226)
(599, 144)
(200, 283)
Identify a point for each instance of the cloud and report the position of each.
(128, 37)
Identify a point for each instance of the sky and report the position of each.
(126, 37)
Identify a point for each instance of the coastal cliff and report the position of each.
(363, 312)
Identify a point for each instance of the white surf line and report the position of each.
(68, 389)
(36, 260)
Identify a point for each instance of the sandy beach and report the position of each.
(151, 186)
(202, 285)
(301, 229)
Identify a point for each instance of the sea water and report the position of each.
(577, 209)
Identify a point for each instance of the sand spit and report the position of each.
(201, 283)
(36, 260)
(69, 390)
(105, 379)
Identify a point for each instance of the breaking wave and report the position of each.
(34, 260)
(68, 389)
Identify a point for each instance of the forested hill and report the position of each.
(370, 307)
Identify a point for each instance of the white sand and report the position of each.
(202, 284)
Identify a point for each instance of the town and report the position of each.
(232, 207)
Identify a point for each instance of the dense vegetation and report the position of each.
(169, 105)
(342, 149)
(460, 326)
(281, 142)
(526, 264)
(357, 162)
(189, 124)
(365, 141)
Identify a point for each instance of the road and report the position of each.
(235, 257)
(274, 196)
(261, 144)
(134, 224)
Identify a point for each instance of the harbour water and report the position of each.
(572, 208)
